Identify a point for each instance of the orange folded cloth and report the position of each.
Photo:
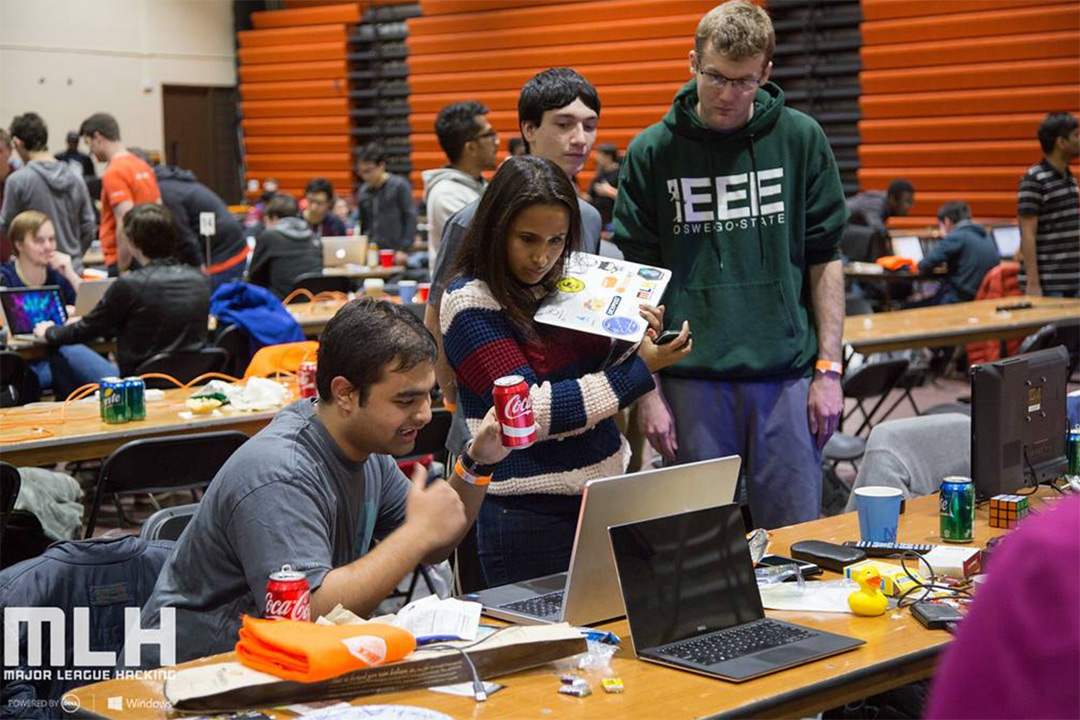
(306, 652)
(895, 262)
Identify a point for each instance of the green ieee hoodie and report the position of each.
(738, 218)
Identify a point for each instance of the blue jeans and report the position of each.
(522, 537)
(764, 423)
(69, 367)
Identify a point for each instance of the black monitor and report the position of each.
(1018, 421)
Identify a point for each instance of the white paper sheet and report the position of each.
(432, 616)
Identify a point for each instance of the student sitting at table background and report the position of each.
(514, 251)
(287, 248)
(161, 307)
(968, 250)
(35, 263)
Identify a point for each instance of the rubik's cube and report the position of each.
(1006, 511)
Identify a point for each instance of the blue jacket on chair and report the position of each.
(104, 575)
(258, 311)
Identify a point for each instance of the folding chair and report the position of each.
(161, 464)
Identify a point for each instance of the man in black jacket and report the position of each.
(287, 248)
(161, 307)
(188, 198)
(387, 211)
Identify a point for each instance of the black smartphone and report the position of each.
(808, 569)
(669, 335)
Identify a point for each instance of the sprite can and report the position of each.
(1072, 450)
(135, 396)
(957, 510)
(112, 401)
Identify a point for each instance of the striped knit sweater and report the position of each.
(574, 397)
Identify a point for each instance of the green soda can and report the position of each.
(112, 401)
(135, 395)
(1072, 450)
(957, 510)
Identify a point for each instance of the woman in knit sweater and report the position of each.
(513, 254)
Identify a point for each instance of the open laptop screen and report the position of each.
(26, 307)
(685, 575)
(1007, 239)
(908, 247)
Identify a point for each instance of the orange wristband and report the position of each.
(478, 480)
(829, 366)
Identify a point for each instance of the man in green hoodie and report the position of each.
(741, 198)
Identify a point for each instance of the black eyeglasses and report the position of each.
(492, 133)
(720, 82)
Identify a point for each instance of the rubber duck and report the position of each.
(868, 600)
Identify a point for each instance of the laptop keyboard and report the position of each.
(735, 642)
(541, 606)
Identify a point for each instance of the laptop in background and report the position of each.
(1007, 239)
(344, 250)
(692, 600)
(89, 294)
(23, 308)
(908, 247)
(589, 591)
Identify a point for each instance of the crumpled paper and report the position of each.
(256, 394)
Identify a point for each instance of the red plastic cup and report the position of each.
(422, 291)
(386, 258)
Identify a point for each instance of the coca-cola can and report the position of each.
(288, 596)
(306, 379)
(513, 406)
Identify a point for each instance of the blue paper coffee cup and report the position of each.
(407, 291)
(879, 512)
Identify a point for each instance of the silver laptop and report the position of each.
(692, 600)
(23, 308)
(89, 294)
(344, 250)
(1007, 239)
(908, 247)
(589, 591)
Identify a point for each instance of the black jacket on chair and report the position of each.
(162, 307)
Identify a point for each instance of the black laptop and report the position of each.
(692, 601)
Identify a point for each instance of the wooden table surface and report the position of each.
(363, 272)
(898, 650)
(955, 324)
(80, 434)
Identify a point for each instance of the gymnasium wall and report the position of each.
(953, 92)
(67, 59)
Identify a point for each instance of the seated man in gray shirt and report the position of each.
(558, 111)
(314, 488)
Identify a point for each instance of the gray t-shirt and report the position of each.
(287, 496)
(454, 233)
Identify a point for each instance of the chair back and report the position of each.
(178, 462)
(874, 379)
(185, 366)
(1044, 338)
(18, 384)
(281, 358)
(862, 243)
(168, 523)
(1000, 281)
(316, 283)
(233, 340)
(10, 482)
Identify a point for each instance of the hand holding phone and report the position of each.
(669, 335)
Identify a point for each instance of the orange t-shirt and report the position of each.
(126, 178)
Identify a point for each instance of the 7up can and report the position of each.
(957, 510)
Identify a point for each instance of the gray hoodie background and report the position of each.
(284, 253)
(53, 188)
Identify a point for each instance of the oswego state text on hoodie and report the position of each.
(738, 217)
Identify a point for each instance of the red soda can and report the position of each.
(287, 596)
(513, 406)
(306, 379)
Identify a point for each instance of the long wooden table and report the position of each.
(956, 324)
(898, 651)
(48, 434)
(363, 272)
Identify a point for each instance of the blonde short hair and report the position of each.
(28, 222)
(737, 30)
